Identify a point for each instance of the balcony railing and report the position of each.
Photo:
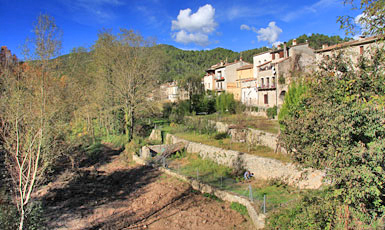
(272, 86)
(265, 68)
(218, 78)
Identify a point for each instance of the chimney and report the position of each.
(294, 42)
(221, 62)
(361, 37)
(324, 46)
(284, 50)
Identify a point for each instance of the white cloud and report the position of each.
(194, 27)
(275, 44)
(186, 38)
(270, 33)
(245, 27)
(358, 18)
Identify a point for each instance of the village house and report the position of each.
(173, 92)
(354, 49)
(247, 85)
(273, 71)
(224, 74)
(209, 80)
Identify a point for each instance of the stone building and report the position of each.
(274, 70)
(354, 48)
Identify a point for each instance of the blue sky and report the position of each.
(237, 25)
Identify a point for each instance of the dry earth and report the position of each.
(114, 195)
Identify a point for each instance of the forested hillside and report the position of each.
(180, 64)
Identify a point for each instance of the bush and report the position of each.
(271, 112)
(34, 217)
(338, 125)
(179, 111)
(225, 103)
(220, 136)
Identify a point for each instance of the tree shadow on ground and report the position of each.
(91, 188)
(88, 188)
(134, 221)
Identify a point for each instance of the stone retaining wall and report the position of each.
(263, 168)
(250, 136)
(258, 219)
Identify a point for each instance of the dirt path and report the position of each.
(114, 195)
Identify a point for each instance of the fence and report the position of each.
(263, 202)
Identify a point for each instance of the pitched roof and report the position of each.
(250, 66)
(352, 43)
(262, 53)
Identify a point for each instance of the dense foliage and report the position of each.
(371, 21)
(317, 40)
(338, 125)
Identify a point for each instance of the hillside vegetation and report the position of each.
(180, 64)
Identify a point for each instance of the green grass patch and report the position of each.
(239, 208)
(243, 120)
(212, 196)
(206, 170)
(277, 194)
(116, 140)
(226, 143)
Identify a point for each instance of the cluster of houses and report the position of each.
(264, 82)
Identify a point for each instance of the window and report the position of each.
(281, 54)
(273, 56)
(273, 81)
(267, 82)
(361, 49)
(262, 82)
(266, 99)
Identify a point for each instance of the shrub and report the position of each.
(271, 112)
(220, 136)
(225, 103)
(339, 126)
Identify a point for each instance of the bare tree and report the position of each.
(28, 109)
(128, 65)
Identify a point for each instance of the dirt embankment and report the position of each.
(114, 195)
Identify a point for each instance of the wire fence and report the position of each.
(237, 185)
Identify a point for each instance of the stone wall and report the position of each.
(258, 219)
(156, 135)
(252, 136)
(263, 168)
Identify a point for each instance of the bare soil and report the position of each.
(112, 194)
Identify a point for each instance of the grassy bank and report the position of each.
(225, 143)
(246, 121)
(277, 194)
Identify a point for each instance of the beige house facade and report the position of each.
(274, 74)
(225, 74)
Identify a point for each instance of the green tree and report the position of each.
(338, 126)
(372, 19)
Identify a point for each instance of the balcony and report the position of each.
(265, 68)
(219, 78)
(267, 87)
